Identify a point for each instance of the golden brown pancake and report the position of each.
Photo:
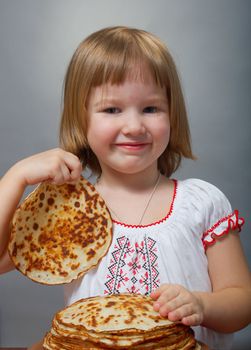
(60, 232)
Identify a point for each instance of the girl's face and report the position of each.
(128, 125)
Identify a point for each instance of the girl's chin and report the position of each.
(129, 168)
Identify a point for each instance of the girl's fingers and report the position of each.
(192, 320)
(172, 305)
(168, 294)
(60, 175)
(155, 294)
(65, 173)
(167, 299)
(180, 312)
(65, 167)
(74, 165)
(164, 289)
(178, 304)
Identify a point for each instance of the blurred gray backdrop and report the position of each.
(210, 41)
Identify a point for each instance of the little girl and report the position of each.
(124, 118)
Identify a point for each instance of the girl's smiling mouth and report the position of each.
(134, 146)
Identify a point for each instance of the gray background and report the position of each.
(210, 41)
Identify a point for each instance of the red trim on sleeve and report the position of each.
(233, 222)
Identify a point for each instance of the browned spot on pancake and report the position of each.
(65, 251)
(90, 229)
(37, 264)
(43, 238)
(14, 250)
(28, 237)
(108, 319)
(63, 273)
(90, 254)
(77, 204)
(34, 248)
(93, 321)
(110, 304)
(35, 226)
(74, 267)
(42, 196)
(50, 201)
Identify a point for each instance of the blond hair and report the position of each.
(109, 55)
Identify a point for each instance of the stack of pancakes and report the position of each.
(123, 321)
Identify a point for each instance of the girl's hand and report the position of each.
(56, 166)
(178, 304)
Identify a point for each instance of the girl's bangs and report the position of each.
(116, 67)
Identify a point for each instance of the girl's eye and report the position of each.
(150, 109)
(112, 110)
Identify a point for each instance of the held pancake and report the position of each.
(60, 232)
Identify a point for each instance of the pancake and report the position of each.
(60, 232)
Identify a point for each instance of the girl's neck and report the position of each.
(136, 199)
(137, 182)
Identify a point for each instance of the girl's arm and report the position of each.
(6, 263)
(56, 165)
(228, 307)
(11, 190)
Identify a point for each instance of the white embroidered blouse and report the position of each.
(172, 250)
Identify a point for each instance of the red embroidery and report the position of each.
(157, 222)
(133, 269)
(232, 221)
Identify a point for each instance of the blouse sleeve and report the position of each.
(219, 217)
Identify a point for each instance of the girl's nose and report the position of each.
(133, 125)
